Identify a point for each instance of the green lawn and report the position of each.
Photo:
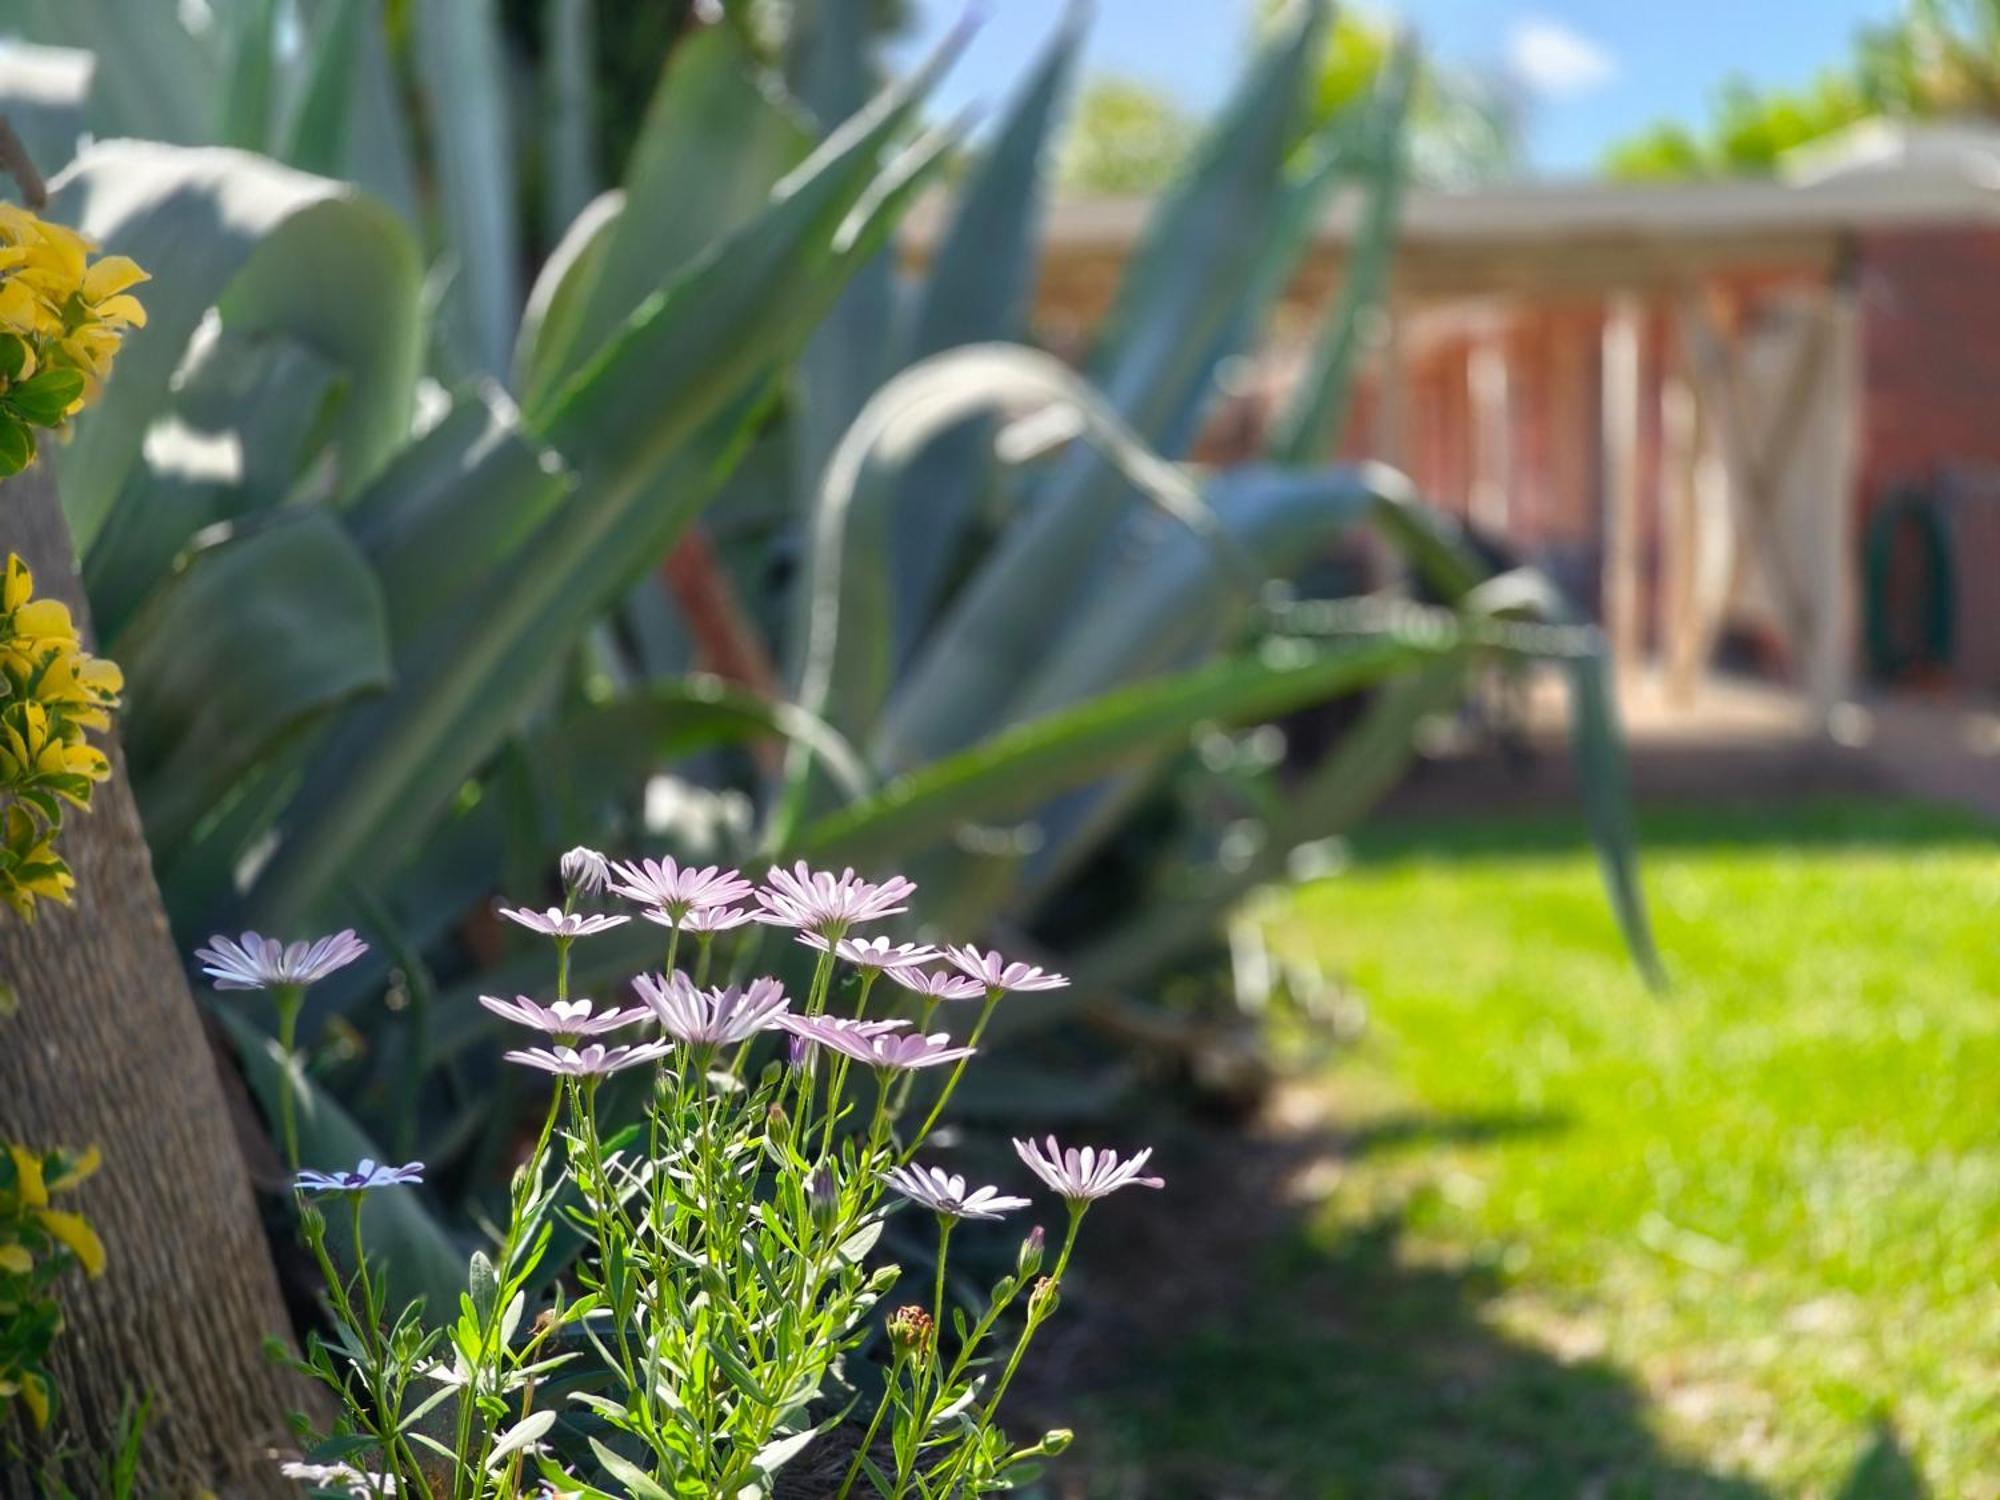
(1575, 1240)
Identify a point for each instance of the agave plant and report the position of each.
(374, 533)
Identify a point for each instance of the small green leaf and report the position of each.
(13, 355)
(44, 399)
(17, 444)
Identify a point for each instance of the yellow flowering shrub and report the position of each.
(39, 1244)
(52, 692)
(62, 318)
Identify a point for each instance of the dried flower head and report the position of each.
(945, 1192)
(937, 984)
(593, 1061)
(261, 963)
(1087, 1174)
(911, 1330)
(676, 890)
(557, 923)
(712, 1017)
(367, 1174)
(818, 901)
(996, 973)
(563, 1018)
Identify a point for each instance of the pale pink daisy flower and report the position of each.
(818, 901)
(589, 1062)
(993, 971)
(1085, 1175)
(703, 921)
(871, 953)
(944, 1192)
(360, 1484)
(677, 889)
(878, 1044)
(261, 963)
(570, 1018)
(937, 984)
(369, 1174)
(712, 1017)
(557, 923)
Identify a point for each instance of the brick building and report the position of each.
(1691, 402)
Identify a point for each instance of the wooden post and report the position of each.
(1619, 411)
(1830, 650)
(1392, 409)
(1680, 458)
(1492, 435)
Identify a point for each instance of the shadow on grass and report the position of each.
(1416, 1128)
(1241, 1354)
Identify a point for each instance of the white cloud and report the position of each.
(1550, 58)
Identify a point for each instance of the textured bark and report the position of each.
(108, 1050)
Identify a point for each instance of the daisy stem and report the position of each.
(838, 1079)
(993, 994)
(290, 999)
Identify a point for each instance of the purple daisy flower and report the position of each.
(593, 1061)
(557, 923)
(816, 901)
(1085, 1175)
(871, 953)
(993, 971)
(878, 1044)
(261, 963)
(714, 1017)
(584, 871)
(368, 1174)
(704, 921)
(937, 984)
(944, 1192)
(676, 889)
(567, 1018)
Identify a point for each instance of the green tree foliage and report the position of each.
(1939, 60)
(1127, 137)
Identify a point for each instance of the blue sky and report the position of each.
(1593, 70)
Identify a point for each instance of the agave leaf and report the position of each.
(464, 74)
(1180, 293)
(253, 638)
(154, 78)
(1331, 800)
(975, 290)
(1021, 766)
(457, 503)
(406, 1244)
(651, 426)
(712, 147)
(44, 92)
(846, 670)
(250, 91)
(1309, 429)
(280, 251)
(569, 172)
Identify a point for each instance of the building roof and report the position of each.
(1590, 238)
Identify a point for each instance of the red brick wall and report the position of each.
(1930, 310)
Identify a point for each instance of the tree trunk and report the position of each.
(107, 1049)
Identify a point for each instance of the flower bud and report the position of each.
(823, 1199)
(584, 872)
(799, 1053)
(1056, 1441)
(910, 1331)
(1029, 1260)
